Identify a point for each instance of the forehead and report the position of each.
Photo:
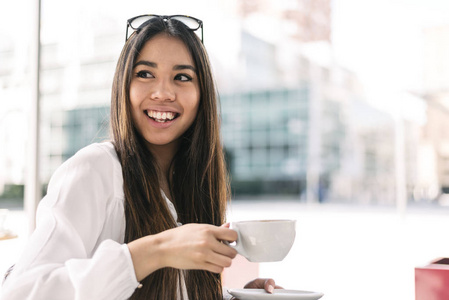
(165, 49)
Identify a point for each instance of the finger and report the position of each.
(219, 260)
(262, 283)
(217, 254)
(211, 261)
(257, 283)
(212, 268)
(226, 225)
(225, 234)
(214, 241)
(223, 254)
(225, 250)
(269, 285)
(216, 268)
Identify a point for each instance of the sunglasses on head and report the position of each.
(138, 22)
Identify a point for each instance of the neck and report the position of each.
(164, 156)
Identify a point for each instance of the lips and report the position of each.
(161, 116)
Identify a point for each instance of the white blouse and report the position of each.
(77, 250)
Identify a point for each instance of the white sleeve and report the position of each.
(65, 259)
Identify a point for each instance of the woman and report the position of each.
(110, 224)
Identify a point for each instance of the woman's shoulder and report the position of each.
(95, 159)
(97, 154)
(96, 163)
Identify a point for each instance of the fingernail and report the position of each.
(270, 289)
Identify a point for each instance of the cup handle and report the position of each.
(238, 245)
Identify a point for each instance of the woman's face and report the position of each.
(164, 91)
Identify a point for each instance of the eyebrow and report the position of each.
(183, 67)
(146, 63)
(154, 65)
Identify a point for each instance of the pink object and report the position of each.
(432, 281)
(239, 273)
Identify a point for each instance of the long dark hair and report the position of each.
(197, 181)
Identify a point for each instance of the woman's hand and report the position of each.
(267, 284)
(191, 246)
(199, 246)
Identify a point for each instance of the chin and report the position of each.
(162, 142)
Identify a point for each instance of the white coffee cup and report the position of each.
(264, 240)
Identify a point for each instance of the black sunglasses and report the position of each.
(192, 23)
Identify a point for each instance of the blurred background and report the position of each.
(334, 113)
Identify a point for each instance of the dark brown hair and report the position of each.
(197, 181)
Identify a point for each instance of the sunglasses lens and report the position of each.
(137, 22)
(189, 22)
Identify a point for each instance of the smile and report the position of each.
(161, 116)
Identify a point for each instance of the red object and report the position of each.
(432, 281)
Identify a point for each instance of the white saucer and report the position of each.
(278, 294)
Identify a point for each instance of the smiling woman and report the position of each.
(141, 216)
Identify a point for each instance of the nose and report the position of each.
(162, 91)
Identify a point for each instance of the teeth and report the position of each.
(161, 116)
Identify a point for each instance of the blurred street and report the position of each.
(346, 252)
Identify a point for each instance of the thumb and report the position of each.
(269, 285)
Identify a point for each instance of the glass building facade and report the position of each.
(266, 137)
(265, 133)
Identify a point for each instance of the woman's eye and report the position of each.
(144, 74)
(183, 77)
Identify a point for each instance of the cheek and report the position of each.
(136, 96)
(196, 101)
(133, 95)
(134, 103)
(194, 107)
(197, 108)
